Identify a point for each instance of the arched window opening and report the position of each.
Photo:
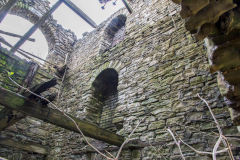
(119, 36)
(39, 47)
(106, 97)
(114, 32)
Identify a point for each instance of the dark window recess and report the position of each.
(114, 33)
(119, 36)
(105, 92)
(108, 108)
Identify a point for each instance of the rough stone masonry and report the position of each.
(160, 69)
(143, 65)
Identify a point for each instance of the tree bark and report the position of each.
(8, 117)
(31, 147)
(17, 102)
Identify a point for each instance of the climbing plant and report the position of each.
(25, 4)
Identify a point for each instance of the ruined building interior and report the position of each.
(157, 80)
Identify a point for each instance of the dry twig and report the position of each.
(84, 137)
(158, 150)
(177, 143)
(128, 139)
(55, 107)
(214, 152)
(202, 152)
(224, 141)
(221, 138)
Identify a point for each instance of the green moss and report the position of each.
(15, 101)
(11, 63)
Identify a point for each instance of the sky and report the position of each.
(64, 16)
(91, 7)
(20, 26)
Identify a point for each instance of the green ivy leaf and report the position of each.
(10, 73)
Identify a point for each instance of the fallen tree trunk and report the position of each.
(29, 146)
(17, 102)
(209, 14)
(190, 7)
(8, 117)
(40, 88)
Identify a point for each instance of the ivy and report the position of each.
(25, 5)
(22, 5)
(10, 74)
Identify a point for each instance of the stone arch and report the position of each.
(106, 83)
(60, 41)
(105, 95)
(114, 64)
(113, 33)
(95, 106)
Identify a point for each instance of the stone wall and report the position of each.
(12, 154)
(27, 130)
(161, 68)
(60, 42)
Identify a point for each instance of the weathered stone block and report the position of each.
(156, 125)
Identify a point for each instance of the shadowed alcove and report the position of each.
(114, 33)
(105, 96)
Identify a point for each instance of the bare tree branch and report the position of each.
(202, 152)
(212, 114)
(214, 152)
(128, 139)
(177, 143)
(225, 141)
(55, 107)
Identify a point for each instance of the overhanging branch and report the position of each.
(8, 116)
(17, 102)
(27, 146)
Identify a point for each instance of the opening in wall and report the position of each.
(105, 95)
(37, 45)
(114, 32)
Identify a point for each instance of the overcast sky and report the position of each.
(64, 16)
(92, 8)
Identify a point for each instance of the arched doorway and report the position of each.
(106, 95)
